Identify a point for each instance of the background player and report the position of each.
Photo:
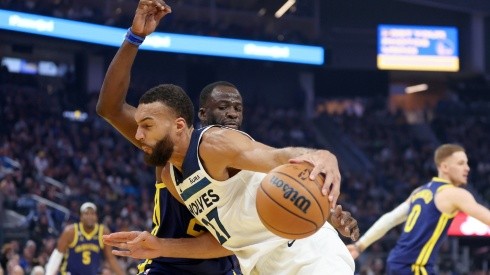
(428, 212)
(80, 247)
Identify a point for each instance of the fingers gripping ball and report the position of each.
(291, 205)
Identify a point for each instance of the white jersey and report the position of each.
(228, 210)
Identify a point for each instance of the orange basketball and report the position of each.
(291, 205)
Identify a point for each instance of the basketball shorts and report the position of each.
(408, 269)
(321, 253)
(159, 269)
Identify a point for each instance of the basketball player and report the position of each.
(427, 214)
(80, 247)
(172, 221)
(217, 171)
(220, 103)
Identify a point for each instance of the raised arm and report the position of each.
(223, 148)
(61, 248)
(112, 104)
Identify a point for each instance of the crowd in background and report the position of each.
(94, 163)
(88, 158)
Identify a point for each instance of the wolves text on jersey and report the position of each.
(203, 202)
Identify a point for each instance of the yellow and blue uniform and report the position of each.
(423, 233)
(171, 219)
(84, 254)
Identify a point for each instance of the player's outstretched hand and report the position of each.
(134, 244)
(344, 223)
(326, 163)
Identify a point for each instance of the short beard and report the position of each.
(161, 153)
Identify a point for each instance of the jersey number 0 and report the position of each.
(412, 218)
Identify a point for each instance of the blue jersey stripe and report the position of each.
(189, 192)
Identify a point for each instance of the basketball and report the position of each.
(291, 205)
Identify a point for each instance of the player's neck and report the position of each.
(446, 179)
(88, 229)
(180, 149)
(177, 160)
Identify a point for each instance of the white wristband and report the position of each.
(54, 262)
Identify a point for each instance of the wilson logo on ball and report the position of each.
(290, 204)
(292, 194)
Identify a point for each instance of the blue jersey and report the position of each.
(171, 219)
(424, 229)
(84, 252)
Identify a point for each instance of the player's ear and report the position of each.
(202, 114)
(444, 166)
(180, 124)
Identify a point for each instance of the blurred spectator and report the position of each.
(9, 190)
(37, 270)
(26, 260)
(13, 267)
(8, 251)
(40, 219)
(41, 162)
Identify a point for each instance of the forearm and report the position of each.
(111, 102)
(202, 247)
(116, 82)
(264, 159)
(480, 213)
(53, 262)
(383, 225)
(116, 268)
(283, 155)
(112, 105)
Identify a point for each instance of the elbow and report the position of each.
(104, 111)
(101, 111)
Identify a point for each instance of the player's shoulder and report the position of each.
(105, 229)
(215, 130)
(416, 190)
(215, 135)
(70, 229)
(451, 192)
(220, 141)
(218, 134)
